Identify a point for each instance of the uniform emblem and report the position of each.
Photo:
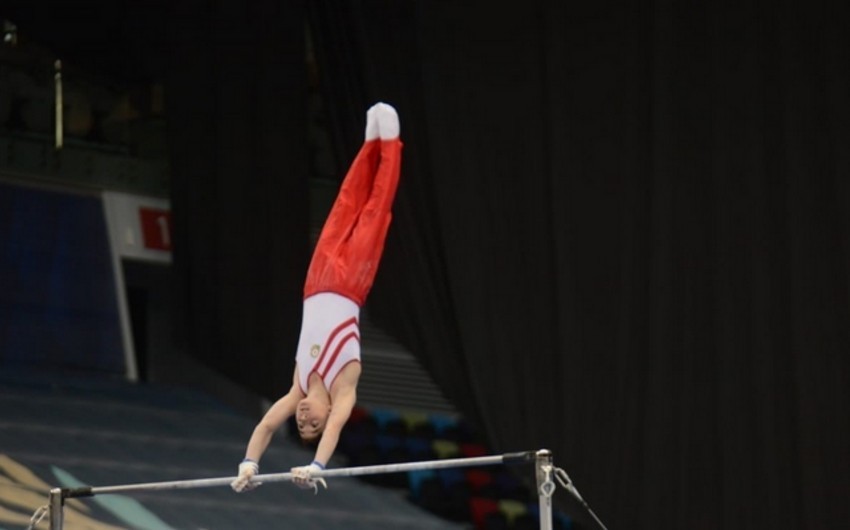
(314, 351)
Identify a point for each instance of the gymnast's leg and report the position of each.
(366, 243)
(325, 269)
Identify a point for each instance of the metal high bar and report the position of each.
(541, 458)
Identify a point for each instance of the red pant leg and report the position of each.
(350, 200)
(352, 241)
(366, 245)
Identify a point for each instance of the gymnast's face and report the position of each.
(311, 416)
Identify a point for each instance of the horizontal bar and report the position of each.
(508, 458)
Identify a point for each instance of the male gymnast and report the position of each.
(340, 276)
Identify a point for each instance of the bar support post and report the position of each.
(56, 504)
(545, 486)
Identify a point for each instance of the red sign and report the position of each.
(156, 228)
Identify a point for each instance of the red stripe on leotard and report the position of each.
(338, 349)
(331, 338)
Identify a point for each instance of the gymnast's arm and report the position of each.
(263, 432)
(343, 397)
(273, 420)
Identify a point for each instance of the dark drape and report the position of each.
(236, 100)
(622, 233)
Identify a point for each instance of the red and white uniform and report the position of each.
(330, 337)
(348, 252)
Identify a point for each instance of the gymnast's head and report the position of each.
(311, 415)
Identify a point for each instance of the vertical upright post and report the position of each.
(57, 77)
(56, 503)
(545, 487)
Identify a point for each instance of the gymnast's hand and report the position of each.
(303, 477)
(247, 469)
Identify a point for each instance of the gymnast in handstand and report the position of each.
(341, 272)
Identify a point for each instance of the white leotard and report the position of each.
(330, 337)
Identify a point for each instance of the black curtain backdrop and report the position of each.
(622, 234)
(236, 101)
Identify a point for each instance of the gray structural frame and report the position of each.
(542, 459)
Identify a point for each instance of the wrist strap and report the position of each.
(317, 463)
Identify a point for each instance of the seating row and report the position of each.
(492, 498)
